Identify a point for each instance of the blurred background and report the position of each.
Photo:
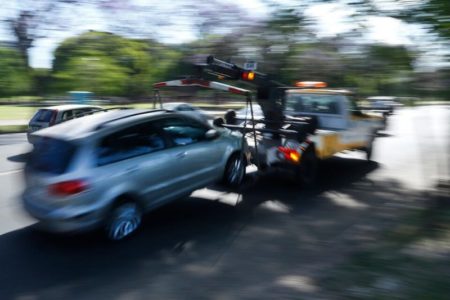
(118, 48)
(369, 231)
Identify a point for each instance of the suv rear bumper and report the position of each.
(65, 219)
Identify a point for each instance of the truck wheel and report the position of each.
(308, 169)
(124, 219)
(234, 171)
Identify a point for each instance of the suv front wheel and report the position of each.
(234, 170)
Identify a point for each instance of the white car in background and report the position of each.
(50, 116)
(189, 110)
(383, 103)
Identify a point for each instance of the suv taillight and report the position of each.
(67, 188)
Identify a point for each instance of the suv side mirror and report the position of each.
(211, 134)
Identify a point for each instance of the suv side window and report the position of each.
(67, 115)
(86, 111)
(79, 112)
(130, 142)
(182, 131)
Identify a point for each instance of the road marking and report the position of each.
(10, 172)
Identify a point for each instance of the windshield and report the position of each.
(51, 155)
(313, 103)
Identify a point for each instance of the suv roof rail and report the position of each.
(100, 126)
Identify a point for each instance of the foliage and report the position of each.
(289, 52)
(284, 45)
(41, 81)
(14, 76)
(108, 64)
(435, 14)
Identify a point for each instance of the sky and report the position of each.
(331, 18)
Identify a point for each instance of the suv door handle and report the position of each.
(181, 154)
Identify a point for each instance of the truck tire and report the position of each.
(308, 169)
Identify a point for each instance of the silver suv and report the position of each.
(107, 169)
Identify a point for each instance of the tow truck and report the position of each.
(299, 125)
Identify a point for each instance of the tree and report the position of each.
(34, 19)
(20, 27)
(14, 76)
(38, 19)
(108, 64)
(435, 14)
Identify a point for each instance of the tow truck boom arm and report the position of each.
(269, 92)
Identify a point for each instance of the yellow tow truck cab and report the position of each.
(341, 126)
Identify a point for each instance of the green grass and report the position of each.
(16, 99)
(13, 128)
(10, 112)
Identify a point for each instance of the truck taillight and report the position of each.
(290, 154)
(67, 188)
(248, 76)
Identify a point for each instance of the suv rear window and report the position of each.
(51, 155)
(43, 115)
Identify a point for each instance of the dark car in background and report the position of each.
(384, 104)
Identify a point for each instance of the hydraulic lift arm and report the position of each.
(269, 93)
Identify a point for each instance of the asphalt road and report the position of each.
(271, 240)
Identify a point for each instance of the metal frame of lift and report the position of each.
(157, 99)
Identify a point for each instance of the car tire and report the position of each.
(308, 170)
(234, 170)
(124, 219)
